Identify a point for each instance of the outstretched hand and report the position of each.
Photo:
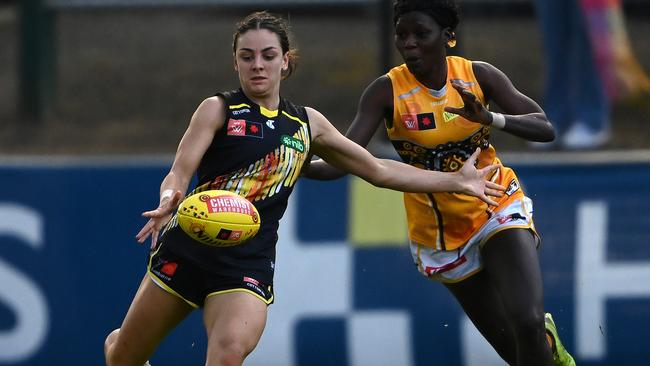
(158, 218)
(475, 183)
(473, 110)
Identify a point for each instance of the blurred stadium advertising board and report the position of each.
(346, 291)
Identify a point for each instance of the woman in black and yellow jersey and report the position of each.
(253, 142)
(435, 108)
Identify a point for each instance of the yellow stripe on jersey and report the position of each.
(268, 113)
(243, 105)
(293, 118)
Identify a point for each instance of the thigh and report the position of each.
(234, 320)
(482, 305)
(152, 315)
(510, 258)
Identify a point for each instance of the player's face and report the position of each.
(420, 41)
(259, 61)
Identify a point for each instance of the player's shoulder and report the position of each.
(379, 92)
(485, 70)
(294, 111)
(212, 103)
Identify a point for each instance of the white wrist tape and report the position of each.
(167, 194)
(498, 120)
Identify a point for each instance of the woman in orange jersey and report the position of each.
(436, 112)
(250, 141)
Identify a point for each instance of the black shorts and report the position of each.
(194, 282)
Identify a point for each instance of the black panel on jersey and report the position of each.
(257, 154)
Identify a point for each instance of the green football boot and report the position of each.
(560, 354)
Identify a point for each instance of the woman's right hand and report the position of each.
(159, 218)
(474, 180)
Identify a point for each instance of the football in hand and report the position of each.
(218, 218)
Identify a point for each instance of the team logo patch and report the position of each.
(242, 127)
(410, 121)
(426, 121)
(236, 127)
(254, 129)
(293, 143)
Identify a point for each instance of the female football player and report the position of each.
(436, 115)
(253, 142)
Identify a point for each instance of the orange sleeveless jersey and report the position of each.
(427, 137)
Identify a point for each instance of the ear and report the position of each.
(234, 63)
(449, 37)
(285, 61)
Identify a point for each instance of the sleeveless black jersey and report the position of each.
(258, 154)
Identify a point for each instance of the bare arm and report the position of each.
(375, 104)
(206, 121)
(523, 116)
(346, 155)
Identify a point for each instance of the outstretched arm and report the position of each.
(375, 104)
(207, 120)
(346, 155)
(522, 117)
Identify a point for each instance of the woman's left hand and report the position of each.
(473, 110)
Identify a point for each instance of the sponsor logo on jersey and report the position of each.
(511, 217)
(269, 123)
(169, 268)
(292, 143)
(251, 280)
(512, 187)
(240, 111)
(242, 127)
(439, 102)
(446, 267)
(256, 288)
(448, 116)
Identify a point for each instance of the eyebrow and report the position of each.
(263, 50)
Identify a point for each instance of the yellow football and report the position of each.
(218, 218)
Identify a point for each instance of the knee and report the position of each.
(109, 344)
(112, 356)
(529, 326)
(228, 352)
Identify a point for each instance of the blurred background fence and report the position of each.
(117, 76)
